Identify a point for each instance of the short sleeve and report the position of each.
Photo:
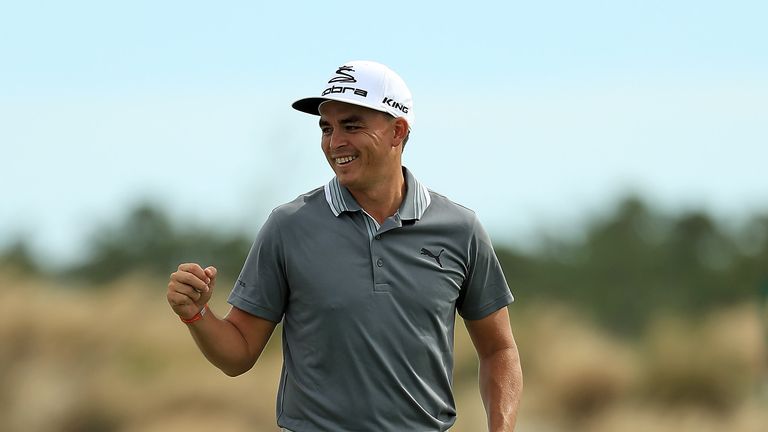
(485, 289)
(262, 288)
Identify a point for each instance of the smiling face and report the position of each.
(362, 146)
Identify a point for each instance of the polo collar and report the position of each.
(414, 204)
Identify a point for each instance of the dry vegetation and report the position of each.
(116, 359)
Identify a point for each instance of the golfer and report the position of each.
(366, 274)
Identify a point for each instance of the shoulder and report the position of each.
(310, 198)
(296, 211)
(293, 215)
(443, 208)
(461, 221)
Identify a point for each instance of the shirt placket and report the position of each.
(376, 241)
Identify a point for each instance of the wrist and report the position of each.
(198, 316)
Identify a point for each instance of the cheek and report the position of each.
(374, 137)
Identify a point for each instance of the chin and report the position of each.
(344, 175)
(345, 180)
(350, 181)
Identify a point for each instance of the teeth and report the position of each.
(345, 159)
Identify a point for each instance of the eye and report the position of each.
(352, 127)
(326, 130)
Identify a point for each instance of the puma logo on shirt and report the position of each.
(426, 252)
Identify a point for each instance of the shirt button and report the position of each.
(378, 237)
(380, 262)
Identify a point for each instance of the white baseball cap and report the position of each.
(364, 83)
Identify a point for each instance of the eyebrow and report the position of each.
(351, 119)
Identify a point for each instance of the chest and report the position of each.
(346, 270)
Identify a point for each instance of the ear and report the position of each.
(400, 131)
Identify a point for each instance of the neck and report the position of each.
(382, 200)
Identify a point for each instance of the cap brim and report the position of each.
(309, 105)
(312, 105)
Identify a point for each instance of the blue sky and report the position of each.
(537, 115)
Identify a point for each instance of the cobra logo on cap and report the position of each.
(344, 77)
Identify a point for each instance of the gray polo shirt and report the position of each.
(368, 311)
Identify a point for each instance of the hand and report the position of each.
(190, 288)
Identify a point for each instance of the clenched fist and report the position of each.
(190, 288)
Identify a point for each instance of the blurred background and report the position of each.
(615, 151)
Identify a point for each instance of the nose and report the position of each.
(336, 139)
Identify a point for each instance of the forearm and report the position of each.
(222, 344)
(501, 385)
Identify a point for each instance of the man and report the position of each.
(366, 274)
